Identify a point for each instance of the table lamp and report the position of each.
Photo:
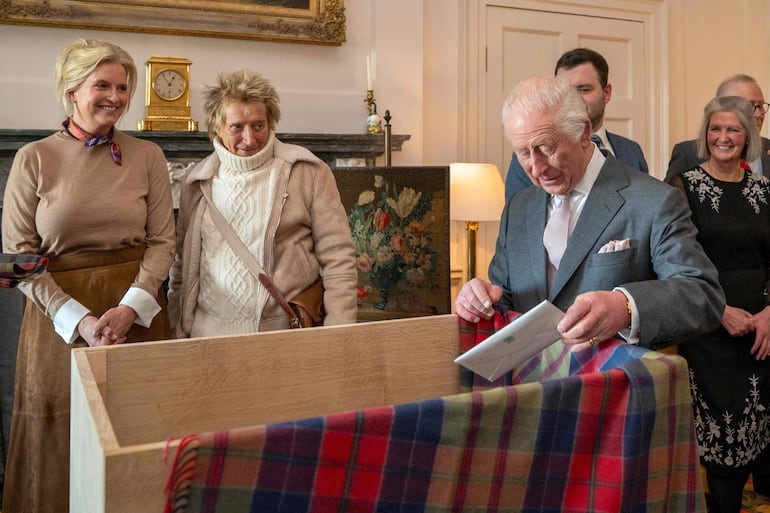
(476, 193)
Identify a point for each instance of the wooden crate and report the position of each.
(128, 400)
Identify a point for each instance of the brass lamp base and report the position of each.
(471, 227)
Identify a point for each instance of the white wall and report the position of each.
(322, 88)
(710, 40)
(419, 49)
(444, 72)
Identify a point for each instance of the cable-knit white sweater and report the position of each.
(231, 300)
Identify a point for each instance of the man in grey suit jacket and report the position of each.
(684, 156)
(588, 72)
(631, 264)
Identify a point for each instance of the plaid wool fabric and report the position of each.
(607, 429)
(16, 268)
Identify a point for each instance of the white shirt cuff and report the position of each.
(143, 304)
(66, 320)
(631, 334)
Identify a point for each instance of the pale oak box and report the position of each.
(128, 400)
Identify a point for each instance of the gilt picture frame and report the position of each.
(399, 220)
(296, 21)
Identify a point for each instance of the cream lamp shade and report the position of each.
(476, 194)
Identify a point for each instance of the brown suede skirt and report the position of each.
(37, 468)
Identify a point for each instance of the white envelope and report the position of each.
(521, 339)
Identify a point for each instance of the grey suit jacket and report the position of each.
(684, 157)
(673, 282)
(625, 149)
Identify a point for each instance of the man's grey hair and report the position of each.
(548, 94)
(726, 85)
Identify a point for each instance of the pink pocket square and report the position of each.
(615, 245)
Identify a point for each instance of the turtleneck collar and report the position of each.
(238, 164)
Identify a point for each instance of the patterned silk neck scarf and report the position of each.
(89, 140)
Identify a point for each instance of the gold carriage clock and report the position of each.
(167, 97)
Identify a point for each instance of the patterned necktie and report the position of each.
(599, 144)
(556, 234)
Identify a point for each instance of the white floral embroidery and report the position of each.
(756, 187)
(701, 182)
(734, 442)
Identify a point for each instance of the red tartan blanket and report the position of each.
(607, 429)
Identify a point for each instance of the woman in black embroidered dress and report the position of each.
(729, 368)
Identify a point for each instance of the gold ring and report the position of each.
(594, 341)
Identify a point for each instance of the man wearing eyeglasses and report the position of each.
(684, 156)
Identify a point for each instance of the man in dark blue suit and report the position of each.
(684, 155)
(588, 72)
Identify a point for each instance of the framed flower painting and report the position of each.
(399, 220)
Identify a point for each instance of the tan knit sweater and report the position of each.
(63, 198)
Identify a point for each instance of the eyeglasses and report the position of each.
(761, 106)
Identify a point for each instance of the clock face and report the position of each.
(169, 84)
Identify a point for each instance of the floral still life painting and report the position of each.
(399, 222)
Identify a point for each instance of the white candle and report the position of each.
(368, 74)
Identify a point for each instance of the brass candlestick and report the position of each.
(373, 120)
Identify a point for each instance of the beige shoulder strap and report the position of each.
(244, 254)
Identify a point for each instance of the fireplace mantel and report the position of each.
(197, 144)
(337, 150)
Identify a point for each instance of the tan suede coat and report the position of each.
(307, 230)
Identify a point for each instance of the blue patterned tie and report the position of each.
(599, 144)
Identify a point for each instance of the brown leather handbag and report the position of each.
(308, 305)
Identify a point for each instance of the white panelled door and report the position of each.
(521, 43)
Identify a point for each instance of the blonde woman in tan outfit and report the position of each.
(97, 203)
(282, 202)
